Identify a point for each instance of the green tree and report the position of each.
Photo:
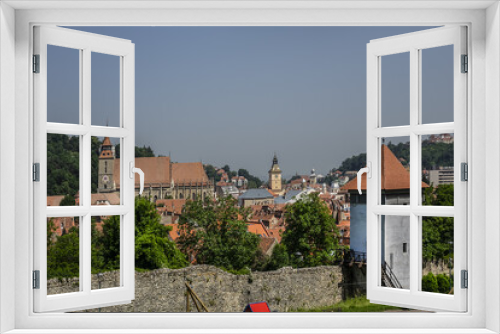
(430, 283)
(356, 162)
(279, 258)
(110, 241)
(63, 164)
(63, 255)
(67, 200)
(310, 231)
(443, 283)
(211, 173)
(95, 145)
(140, 152)
(437, 232)
(153, 249)
(216, 233)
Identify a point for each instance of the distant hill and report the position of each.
(434, 155)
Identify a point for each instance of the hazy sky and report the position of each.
(236, 95)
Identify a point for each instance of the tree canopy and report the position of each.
(215, 233)
(311, 236)
(437, 232)
(153, 249)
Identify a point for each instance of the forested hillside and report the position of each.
(63, 163)
(434, 155)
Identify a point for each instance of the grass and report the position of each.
(358, 304)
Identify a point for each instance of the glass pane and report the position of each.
(105, 171)
(105, 90)
(63, 85)
(63, 255)
(437, 254)
(437, 84)
(395, 171)
(438, 169)
(395, 253)
(105, 252)
(63, 170)
(395, 89)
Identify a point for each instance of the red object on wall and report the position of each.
(257, 307)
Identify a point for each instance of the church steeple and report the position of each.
(106, 182)
(275, 176)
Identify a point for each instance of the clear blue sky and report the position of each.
(236, 95)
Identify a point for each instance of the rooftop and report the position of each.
(394, 175)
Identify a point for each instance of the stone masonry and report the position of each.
(164, 290)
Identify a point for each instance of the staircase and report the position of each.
(389, 279)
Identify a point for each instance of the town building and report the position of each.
(441, 176)
(274, 183)
(162, 178)
(255, 197)
(445, 138)
(395, 184)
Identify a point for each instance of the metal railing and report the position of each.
(389, 279)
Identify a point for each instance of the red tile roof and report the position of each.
(157, 171)
(54, 200)
(266, 244)
(257, 228)
(112, 198)
(171, 205)
(394, 175)
(276, 232)
(189, 173)
(175, 233)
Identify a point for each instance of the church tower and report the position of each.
(275, 176)
(106, 182)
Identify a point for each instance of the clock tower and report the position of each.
(275, 176)
(106, 182)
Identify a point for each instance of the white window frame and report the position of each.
(414, 44)
(483, 20)
(85, 44)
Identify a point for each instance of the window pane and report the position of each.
(105, 252)
(63, 255)
(395, 171)
(105, 90)
(63, 85)
(438, 169)
(395, 253)
(63, 170)
(395, 89)
(437, 84)
(105, 171)
(437, 254)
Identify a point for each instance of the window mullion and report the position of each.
(86, 168)
(415, 183)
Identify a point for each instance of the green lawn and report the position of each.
(358, 304)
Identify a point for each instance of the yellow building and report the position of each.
(274, 183)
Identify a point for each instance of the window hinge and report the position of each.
(465, 64)
(465, 279)
(464, 171)
(36, 279)
(36, 63)
(36, 172)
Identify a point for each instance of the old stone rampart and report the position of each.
(164, 290)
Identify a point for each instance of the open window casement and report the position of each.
(85, 211)
(397, 244)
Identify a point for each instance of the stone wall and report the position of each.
(436, 267)
(164, 290)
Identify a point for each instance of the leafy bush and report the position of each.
(443, 283)
(430, 283)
